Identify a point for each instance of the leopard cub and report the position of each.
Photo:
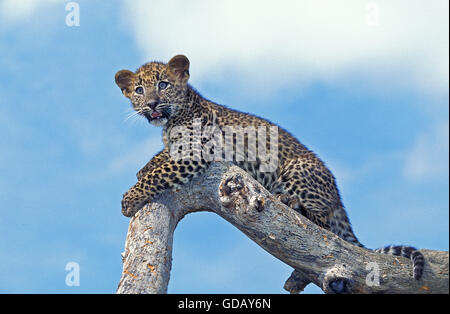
(160, 92)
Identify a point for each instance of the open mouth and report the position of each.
(153, 116)
(156, 115)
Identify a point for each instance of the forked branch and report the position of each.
(317, 255)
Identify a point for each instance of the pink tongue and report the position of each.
(156, 114)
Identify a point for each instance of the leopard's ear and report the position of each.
(124, 79)
(178, 69)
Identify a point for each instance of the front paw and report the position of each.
(131, 203)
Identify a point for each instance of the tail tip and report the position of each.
(418, 262)
(418, 273)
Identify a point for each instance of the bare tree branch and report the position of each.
(317, 255)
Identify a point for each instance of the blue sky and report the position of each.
(350, 82)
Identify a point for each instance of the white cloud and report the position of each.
(276, 41)
(429, 156)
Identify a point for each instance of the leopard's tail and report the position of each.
(345, 232)
(397, 250)
(409, 252)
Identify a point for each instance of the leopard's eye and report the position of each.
(139, 90)
(162, 85)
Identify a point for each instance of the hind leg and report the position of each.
(319, 217)
(309, 188)
(306, 185)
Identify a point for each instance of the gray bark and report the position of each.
(317, 255)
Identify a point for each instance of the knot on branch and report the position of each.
(245, 199)
(338, 280)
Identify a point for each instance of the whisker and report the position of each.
(133, 115)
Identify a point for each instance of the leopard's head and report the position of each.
(157, 91)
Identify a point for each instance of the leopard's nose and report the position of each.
(153, 104)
